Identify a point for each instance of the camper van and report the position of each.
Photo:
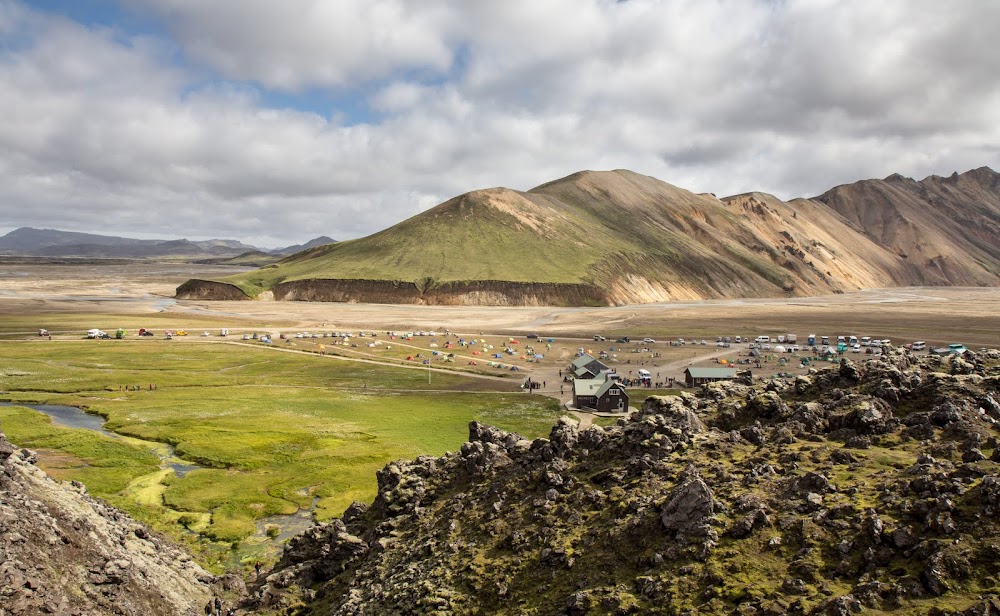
(791, 338)
(919, 345)
(224, 332)
(825, 341)
(811, 340)
(866, 340)
(762, 339)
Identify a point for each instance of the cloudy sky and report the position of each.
(274, 122)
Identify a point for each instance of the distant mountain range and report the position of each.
(66, 244)
(618, 237)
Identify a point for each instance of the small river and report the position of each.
(73, 417)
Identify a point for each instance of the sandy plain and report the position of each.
(33, 294)
(937, 314)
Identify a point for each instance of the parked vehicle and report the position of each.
(43, 332)
(811, 340)
(866, 340)
(762, 339)
(919, 345)
(648, 340)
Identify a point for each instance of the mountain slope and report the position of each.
(948, 229)
(290, 250)
(617, 237)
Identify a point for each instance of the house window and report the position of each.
(614, 392)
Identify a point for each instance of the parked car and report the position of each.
(648, 340)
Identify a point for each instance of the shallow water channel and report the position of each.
(73, 417)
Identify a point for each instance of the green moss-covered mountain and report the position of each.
(598, 238)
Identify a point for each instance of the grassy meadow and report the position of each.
(275, 431)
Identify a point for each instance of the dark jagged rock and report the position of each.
(871, 485)
(688, 507)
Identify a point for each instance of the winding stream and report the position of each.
(73, 417)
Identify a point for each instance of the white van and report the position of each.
(866, 340)
(761, 339)
(919, 345)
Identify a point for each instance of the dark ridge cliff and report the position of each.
(209, 289)
(871, 486)
(480, 292)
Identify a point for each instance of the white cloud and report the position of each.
(294, 44)
(106, 131)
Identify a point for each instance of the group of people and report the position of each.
(152, 386)
(214, 608)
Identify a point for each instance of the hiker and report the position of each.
(208, 608)
(218, 606)
(256, 567)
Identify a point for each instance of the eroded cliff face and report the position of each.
(209, 290)
(63, 552)
(866, 486)
(476, 293)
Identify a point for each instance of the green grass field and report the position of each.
(276, 431)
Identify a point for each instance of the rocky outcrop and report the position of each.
(63, 552)
(823, 496)
(210, 290)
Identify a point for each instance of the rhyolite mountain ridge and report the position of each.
(52, 243)
(618, 237)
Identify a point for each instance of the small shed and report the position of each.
(700, 376)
